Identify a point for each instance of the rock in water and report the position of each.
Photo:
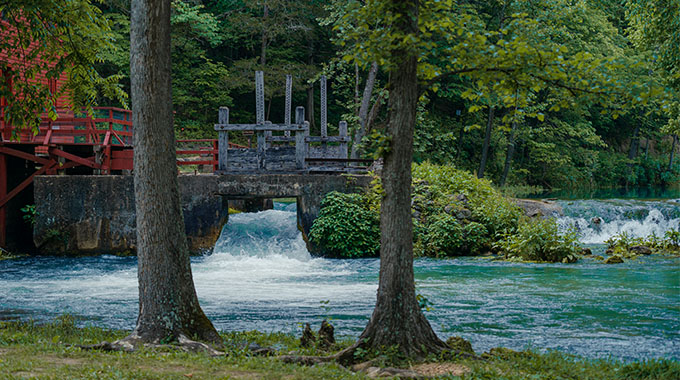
(459, 344)
(614, 260)
(640, 250)
(308, 338)
(586, 252)
(326, 335)
(541, 209)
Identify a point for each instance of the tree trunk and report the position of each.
(310, 90)
(363, 110)
(646, 147)
(670, 160)
(485, 146)
(168, 306)
(634, 143)
(263, 48)
(509, 154)
(357, 79)
(397, 319)
(633, 149)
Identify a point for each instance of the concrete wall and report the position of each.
(96, 214)
(308, 189)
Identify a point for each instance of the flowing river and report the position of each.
(260, 276)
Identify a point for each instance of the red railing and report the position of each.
(200, 152)
(109, 127)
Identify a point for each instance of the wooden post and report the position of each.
(342, 127)
(324, 125)
(289, 95)
(268, 135)
(223, 139)
(259, 108)
(3, 193)
(215, 149)
(259, 97)
(261, 149)
(300, 144)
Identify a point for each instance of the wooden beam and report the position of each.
(300, 144)
(74, 158)
(280, 138)
(339, 139)
(25, 183)
(324, 118)
(342, 128)
(223, 136)
(358, 160)
(259, 97)
(258, 127)
(289, 97)
(24, 155)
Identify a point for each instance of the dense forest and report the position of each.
(540, 136)
(529, 94)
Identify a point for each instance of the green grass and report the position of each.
(45, 351)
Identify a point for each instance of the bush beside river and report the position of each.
(454, 214)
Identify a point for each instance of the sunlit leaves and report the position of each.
(51, 37)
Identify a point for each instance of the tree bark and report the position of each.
(509, 154)
(309, 115)
(485, 146)
(397, 319)
(168, 305)
(363, 109)
(263, 48)
(633, 149)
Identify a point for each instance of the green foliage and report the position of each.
(621, 243)
(454, 214)
(29, 214)
(52, 37)
(446, 236)
(539, 240)
(346, 227)
(47, 350)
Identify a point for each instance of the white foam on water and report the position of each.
(637, 219)
(262, 256)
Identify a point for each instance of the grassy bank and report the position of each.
(30, 350)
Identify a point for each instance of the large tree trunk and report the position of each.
(397, 319)
(168, 306)
(485, 146)
(363, 109)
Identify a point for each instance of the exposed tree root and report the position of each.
(133, 341)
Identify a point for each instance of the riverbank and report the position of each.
(30, 350)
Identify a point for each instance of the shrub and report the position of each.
(539, 240)
(346, 227)
(454, 214)
(621, 243)
(447, 236)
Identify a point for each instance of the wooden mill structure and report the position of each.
(102, 144)
(284, 147)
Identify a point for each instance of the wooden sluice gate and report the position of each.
(286, 147)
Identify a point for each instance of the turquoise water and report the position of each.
(261, 277)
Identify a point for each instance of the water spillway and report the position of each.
(599, 220)
(260, 276)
